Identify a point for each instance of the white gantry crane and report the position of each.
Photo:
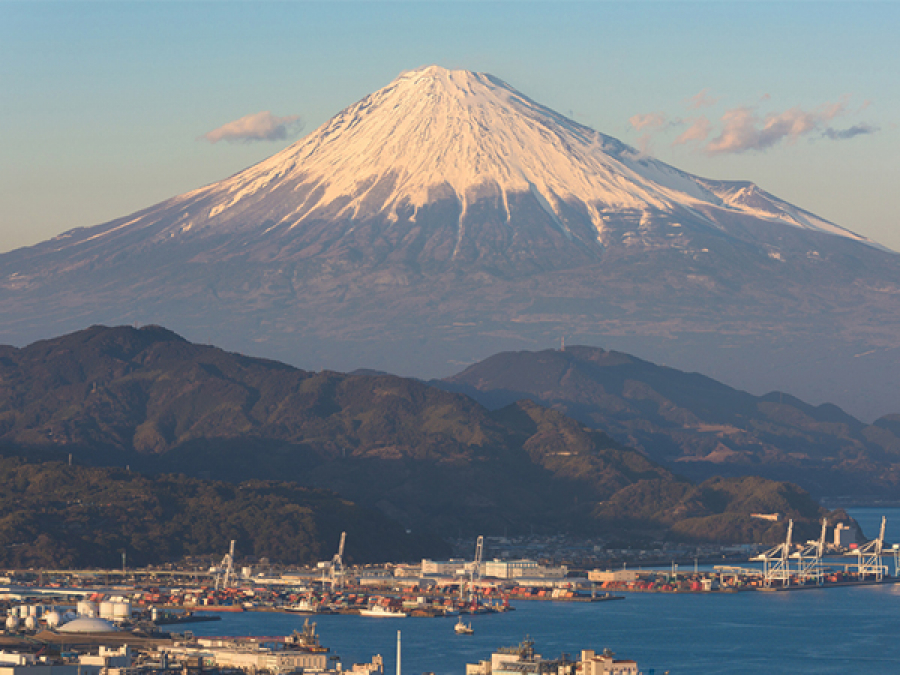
(337, 563)
(334, 567)
(475, 569)
(809, 558)
(776, 561)
(868, 557)
(476, 564)
(225, 571)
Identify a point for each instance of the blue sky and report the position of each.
(107, 108)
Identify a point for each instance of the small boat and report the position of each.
(378, 610)
(463, 629)
(305, 606)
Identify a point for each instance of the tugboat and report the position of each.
(304, 606)
(462, 628)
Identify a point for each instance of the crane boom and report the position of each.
(479, 551)
(337, 562)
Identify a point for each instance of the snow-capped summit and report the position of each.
(435, 132)
(486, 152)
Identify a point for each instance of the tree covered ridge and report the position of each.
(437, 462)
(56, 515)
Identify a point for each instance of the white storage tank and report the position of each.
(53, 619)
(121, 611)
(30, 622)
(12, 622)
(106, 609)
(86, 609)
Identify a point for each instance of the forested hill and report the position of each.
(55, 515)
(695, 425)
(437, 462)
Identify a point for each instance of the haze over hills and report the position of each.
(694, 425)
(446, 217)
(437, 462)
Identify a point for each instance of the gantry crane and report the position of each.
(337, 564)
(334, 567)
(225, 571)
(475, 569)
(868, 556)
(809, 558)
(776, 561)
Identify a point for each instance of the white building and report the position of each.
(249, 657)
(445, 568)
(274, 658)
(517, 569)
(605, 664)
(522, 660)
(29, 664)
(107, 661)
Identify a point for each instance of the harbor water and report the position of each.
(821, 631)
(838, 630)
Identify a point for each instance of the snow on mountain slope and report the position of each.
(435, 134)
(515, 180)
(749, 198)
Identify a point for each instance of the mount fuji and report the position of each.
(446, 217)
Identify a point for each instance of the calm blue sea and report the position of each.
(839, 630)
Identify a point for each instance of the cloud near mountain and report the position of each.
(746, 128)
(261, 126)
(852, 132)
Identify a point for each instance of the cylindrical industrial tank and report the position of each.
(121, 611)
(88, 609)
(12, 622)
(53, 619)
(30, 622)
(154, 613)
(106, 609)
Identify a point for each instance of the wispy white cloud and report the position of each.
(701, 100)
(746, 128)
(655, 120)
(698, 132)
(261, 126)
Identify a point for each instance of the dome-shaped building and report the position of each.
(86, 624)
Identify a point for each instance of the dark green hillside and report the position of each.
(434, 460)
(54, 515)
(695, 425)
(437, 462)
(717, 510)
